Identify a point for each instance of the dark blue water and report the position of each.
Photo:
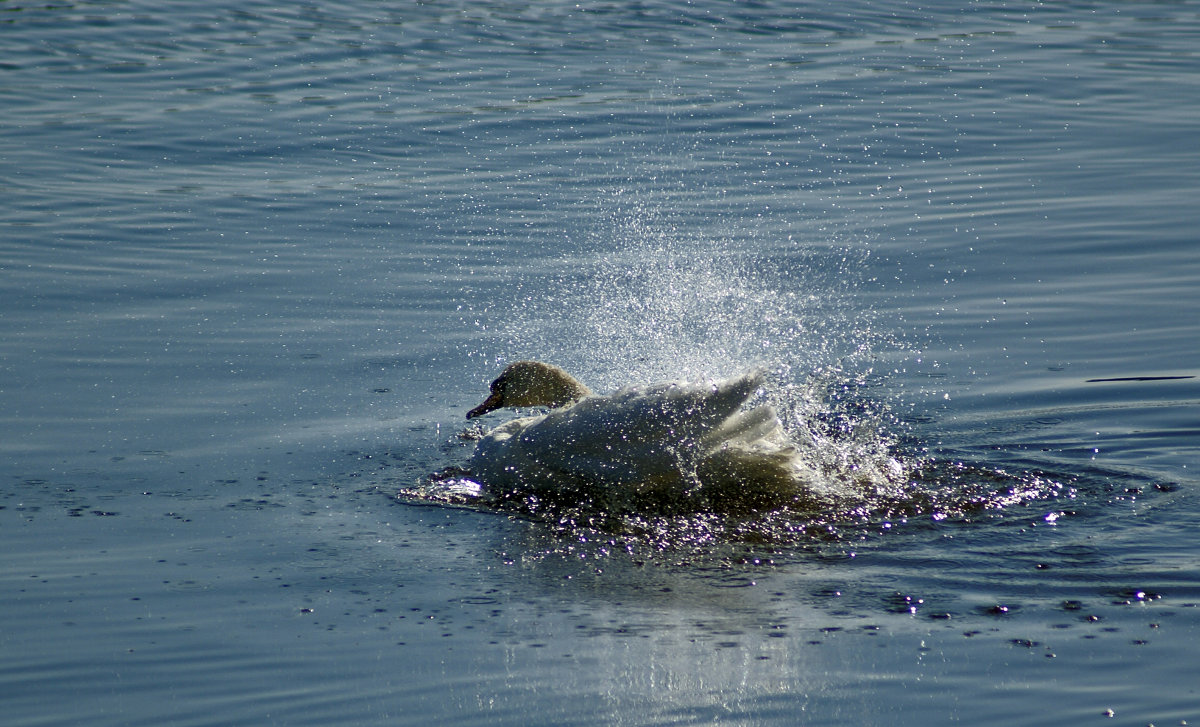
(258, 261)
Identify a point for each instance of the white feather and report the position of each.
(674, 440)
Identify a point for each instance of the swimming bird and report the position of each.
(672, 445)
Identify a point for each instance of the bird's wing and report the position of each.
(638, 433)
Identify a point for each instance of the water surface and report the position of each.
(258, 261)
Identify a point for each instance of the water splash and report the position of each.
(644, 300)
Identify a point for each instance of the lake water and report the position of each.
(259, 259)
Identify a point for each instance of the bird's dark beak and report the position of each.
(489, 404)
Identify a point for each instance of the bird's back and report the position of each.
(671, 437)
